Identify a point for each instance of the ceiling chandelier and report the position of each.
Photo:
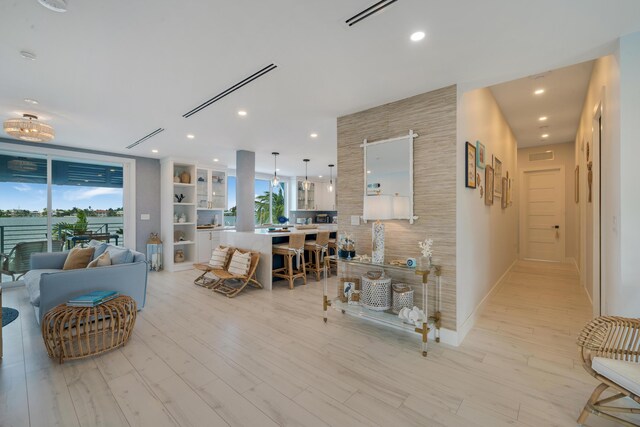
(330, 187)
(28, 128)
(306, 184)
(275, 180)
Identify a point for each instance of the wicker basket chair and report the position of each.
(606, 339)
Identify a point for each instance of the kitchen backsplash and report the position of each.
(294, 216)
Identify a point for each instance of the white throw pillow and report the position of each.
(240, 263)
(219, 257)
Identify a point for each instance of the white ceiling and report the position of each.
(110, 72)
(561, 103)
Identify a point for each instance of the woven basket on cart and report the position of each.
(402, 297)
(376, 294)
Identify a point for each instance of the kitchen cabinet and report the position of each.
(211, 189)
(207, 241)
(317, 198)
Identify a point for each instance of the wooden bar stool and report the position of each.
(291, 250)
(317, 250)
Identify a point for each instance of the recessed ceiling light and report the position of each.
(190, 136)
(31, 101)
(154, 151)
(28, 55)
(215, 160)
(368, 171)
(319, 176)
(277, 169)
(538, 91)
(545, 135)
(314, 135)
(242, 113)
(55, 5)
(543, 118)
(417, 36)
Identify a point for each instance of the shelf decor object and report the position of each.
(402, 297)
(419, 297)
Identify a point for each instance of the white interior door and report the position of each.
(542, 215)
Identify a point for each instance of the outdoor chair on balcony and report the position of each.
(17, 262)
(610, 352)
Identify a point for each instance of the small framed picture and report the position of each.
(470, 168)
(346, 286)
(480, 155)
(497, 173)
(577, 184)
(489, 182)
(505, 192)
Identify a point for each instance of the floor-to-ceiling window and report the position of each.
(57, 200)
(270, 201)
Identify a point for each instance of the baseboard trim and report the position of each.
(468, 323)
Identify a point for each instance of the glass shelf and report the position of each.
(384, 317)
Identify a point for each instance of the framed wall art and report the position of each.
(505, 191)
(470, 166)
(489, 182)
(480, 155)
(497, 173)
(577, 184)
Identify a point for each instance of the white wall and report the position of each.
(564, 155)
(604, 89)
(625, 295)
(486, 243)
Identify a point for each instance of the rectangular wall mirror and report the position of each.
(388, 177)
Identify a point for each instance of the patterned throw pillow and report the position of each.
(219, 257)
(239, 264)
(102, 261)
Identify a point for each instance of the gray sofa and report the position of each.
(48, 285)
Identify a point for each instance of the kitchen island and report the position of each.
(261, 240)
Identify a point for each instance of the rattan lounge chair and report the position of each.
(610, 352)
(208, 282)
(221, 276)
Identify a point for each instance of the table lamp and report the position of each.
(378, 207)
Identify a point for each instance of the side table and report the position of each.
(77, 332)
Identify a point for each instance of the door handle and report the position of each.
(555, 226)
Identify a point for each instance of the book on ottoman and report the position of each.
(92, 299)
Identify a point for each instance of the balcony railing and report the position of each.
(12, 234)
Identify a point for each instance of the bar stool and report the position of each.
(295, 248)
(317, 250)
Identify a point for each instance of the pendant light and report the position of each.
(330, 188)
(275, 180)
(306, 184)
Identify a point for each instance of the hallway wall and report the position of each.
(487, 235)
(564, 155)
(604, 87)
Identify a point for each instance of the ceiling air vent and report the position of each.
(144, 138)
(231, 89)
(544, 155)
(371, 10)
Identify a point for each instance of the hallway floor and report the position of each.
(266, 359)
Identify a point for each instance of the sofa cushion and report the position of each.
(625, 374)
(99, 246)
(78, 258)
(32, 282)
(119, 255)
(101, 261)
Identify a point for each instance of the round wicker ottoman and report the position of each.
(76, 332)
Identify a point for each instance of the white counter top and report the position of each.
(265, 231)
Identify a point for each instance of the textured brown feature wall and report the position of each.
(432, 116)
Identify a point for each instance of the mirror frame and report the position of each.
(410, 137)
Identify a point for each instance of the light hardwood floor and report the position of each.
(267, 359)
